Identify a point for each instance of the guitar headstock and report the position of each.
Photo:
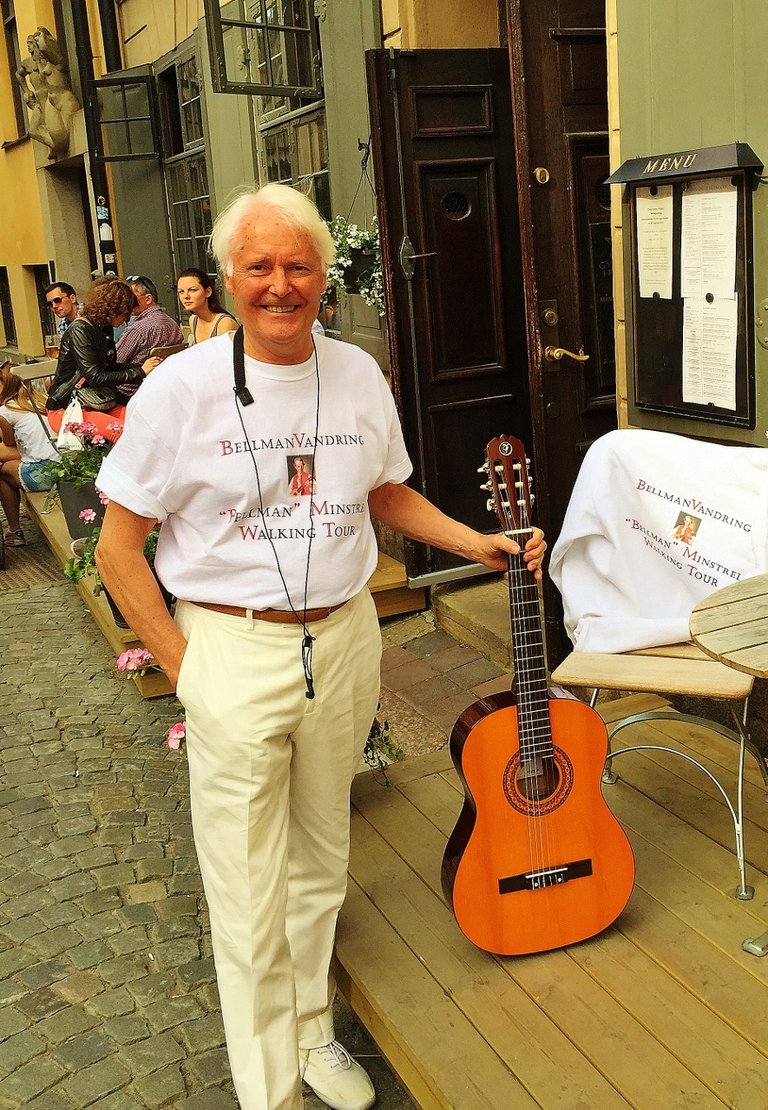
(506, 465)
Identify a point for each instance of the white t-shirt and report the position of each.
(655, 523)
(33, 444)
(186, 460)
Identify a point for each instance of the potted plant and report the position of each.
(357, 266)
(74, 474)
(83, 563)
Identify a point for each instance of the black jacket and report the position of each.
(89, 352)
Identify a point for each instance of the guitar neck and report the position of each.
(530, 681)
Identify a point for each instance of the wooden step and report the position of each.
(389, 586)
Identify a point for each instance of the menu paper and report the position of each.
(709, 351)
(654, 241)
(708, 245)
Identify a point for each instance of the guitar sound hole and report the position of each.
(537, 779)
(540, 785)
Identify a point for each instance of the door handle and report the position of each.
(407, 255)
(555, 354)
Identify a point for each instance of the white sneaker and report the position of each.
(336, 1078)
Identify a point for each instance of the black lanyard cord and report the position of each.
(243, 397)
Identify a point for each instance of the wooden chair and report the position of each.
(642, 474)
(30, 372)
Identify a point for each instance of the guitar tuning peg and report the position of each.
(484, 469)
(487, 486)
(490, 505)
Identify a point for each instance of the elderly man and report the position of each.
(61, 298)
(150, 326)
(275, 648)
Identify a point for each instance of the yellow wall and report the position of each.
(439, 24)
(22, 238)
(150, 28)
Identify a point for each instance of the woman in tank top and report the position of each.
(207, 316)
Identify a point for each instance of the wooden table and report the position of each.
(731, 625)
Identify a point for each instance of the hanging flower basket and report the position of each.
(357, 267)
(362, 263)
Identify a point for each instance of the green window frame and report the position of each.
(264, 47)
(127, 116)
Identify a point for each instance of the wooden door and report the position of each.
(444, 158)
(558, 66)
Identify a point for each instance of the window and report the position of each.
(14, 65)
(181, 107)
(48, 322)
(266, 47)
(190, 206)
(296, 153)
(186, 172)
(127, 116)
(6, 308)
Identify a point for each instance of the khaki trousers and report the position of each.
(270, 773)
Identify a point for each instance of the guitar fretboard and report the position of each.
(530, 680)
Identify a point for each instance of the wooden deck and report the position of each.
(664, 1009)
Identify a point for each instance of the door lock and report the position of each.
(541, 173)
(555, 354)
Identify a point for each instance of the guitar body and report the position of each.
(537, 860)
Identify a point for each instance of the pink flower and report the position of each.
(115, 426)
(134, 660)
(175, 734)
(98, 440)
(88, 515)
(102, 496)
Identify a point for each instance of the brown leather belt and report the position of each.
(274, 616)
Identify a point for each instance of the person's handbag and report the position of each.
(73, 414)
(97, 398)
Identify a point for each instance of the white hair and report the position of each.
(294, 207)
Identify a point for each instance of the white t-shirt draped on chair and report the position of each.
(655, 523)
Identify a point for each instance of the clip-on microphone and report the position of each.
(242, 392)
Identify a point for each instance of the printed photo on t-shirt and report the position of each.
(686, 527)
(301, 476)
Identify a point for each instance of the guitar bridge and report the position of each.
(547, 876)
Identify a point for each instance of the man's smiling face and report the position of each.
(277, 281)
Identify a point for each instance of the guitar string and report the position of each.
(529, 673)
(528, 589)
(506, 494)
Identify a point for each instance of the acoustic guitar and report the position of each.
(536, 860)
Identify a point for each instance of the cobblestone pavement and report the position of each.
(107, 987)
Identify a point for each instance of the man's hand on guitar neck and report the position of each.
(408, 512)
(499, 546)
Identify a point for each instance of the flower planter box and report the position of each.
(73, 501)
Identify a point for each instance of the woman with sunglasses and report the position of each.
(87, 357)
(207, 316)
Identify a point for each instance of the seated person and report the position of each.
(207, 315)
(24, 450)
(150, 326)
(87, 354)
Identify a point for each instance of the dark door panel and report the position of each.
(445, 164)
(558, 67)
